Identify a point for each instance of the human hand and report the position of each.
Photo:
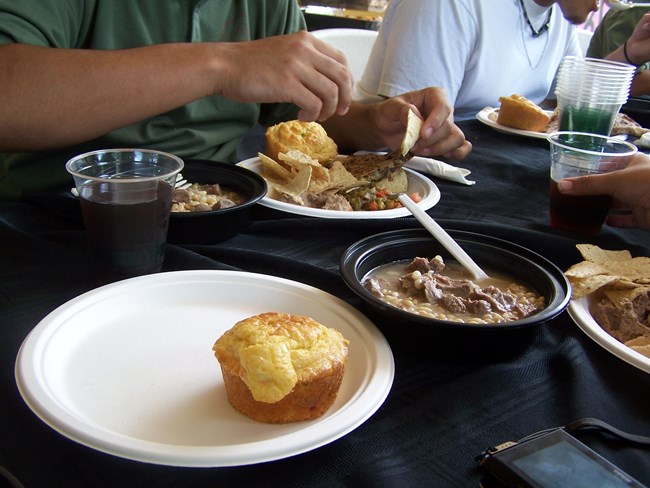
(638, 44)
(439, 135)
(296, 68)
(629, 188)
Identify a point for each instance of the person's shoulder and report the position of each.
(615, 19)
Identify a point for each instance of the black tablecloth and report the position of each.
(442, 410)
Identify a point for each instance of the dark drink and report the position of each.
(585, 119)
(582, 214)
(127, 239)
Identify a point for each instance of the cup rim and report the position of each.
(167, 174)
(551, 138)
(593, 62)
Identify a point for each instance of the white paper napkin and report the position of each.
(440, 169)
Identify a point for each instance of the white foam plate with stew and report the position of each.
(489, 117)
(416, 183)
(579, 312)
(128, 369)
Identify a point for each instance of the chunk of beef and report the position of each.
(453, 303)
(375, 286)
(334, 201)
(463, 296)
(223, 203)
(478, 307)
(424, 265)
(213, 189)
(498, 300)
(181, 196)
(626, 321)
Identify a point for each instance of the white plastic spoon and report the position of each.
(445, 239)
(624, 4)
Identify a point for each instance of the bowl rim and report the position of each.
(260, 186)
(363, 248)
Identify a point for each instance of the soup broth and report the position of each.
(434, 289)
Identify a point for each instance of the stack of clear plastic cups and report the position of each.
(590, 93)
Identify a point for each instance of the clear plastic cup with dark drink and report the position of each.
(580, 154)
(125, 199)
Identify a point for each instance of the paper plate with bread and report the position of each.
(205, 368)
(307, 176)
(517, 115)
(521, 116)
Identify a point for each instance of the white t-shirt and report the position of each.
(477, 50)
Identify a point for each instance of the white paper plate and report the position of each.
(579, 312)
(128, 369)
(417, 183)
(485, 114)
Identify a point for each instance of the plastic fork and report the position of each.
(443, 238)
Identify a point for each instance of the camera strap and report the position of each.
(578, 425)
(590, 423)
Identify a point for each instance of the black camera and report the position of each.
(555, 459)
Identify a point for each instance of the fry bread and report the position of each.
(412, 134)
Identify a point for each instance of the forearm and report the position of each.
(617, 55)
(59, 97)
(641, 84)
(354, 130)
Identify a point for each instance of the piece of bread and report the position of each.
(518, 112)
(279, 368)
(395, 183)
(383, 171)
(309, 138)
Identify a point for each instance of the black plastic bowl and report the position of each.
(489, 252)
(214, 226)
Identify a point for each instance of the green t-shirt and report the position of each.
(209, 128)
(615, 28)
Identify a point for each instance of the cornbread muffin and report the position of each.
(309, 138)
(280, 368)
(520, 113)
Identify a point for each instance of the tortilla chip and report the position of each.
(272, 170)
(340, 177)
(621, 274)
(597, 255)
(318, 186)
(297, 159)
(581, 287)
(633, 269)
(298, 185)
(585, 269)
(412, 134)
